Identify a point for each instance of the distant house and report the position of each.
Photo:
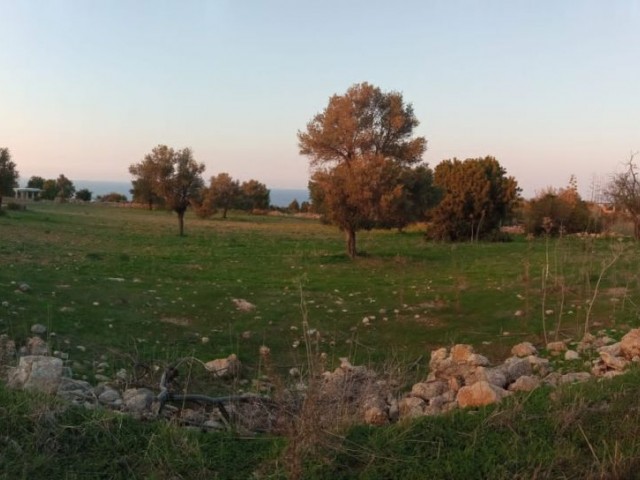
(26, 193)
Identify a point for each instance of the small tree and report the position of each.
(143, 190)
(294, 206)
(477, 197)
(624, 192)
(175, 177)
(49, 189)
(223, 193)
(357, 147)
(84, 195)
(36, 182)
(8, 174)
(555, 212)
(112, 197)
(253, 196)
(65, 189)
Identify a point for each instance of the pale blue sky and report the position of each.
(88, 87)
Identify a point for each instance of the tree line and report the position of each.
(367, 172)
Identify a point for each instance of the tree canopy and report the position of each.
(559, 211)
(60, 189)
(361, 147)
(222, 193)
(477, 197)
(174, 176)
(8, 174)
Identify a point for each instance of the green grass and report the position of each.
(122, 284)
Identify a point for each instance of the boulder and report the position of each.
(36, 372)
(630, 344)
(480, 394)
(523, 349)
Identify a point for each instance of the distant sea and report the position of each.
(280, 197)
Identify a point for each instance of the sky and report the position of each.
(550, 88)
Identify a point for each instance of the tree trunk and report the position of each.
(150, 204)
(350, 235)
(181, 222)
(224, 212)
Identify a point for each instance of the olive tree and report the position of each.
(359, 146)
(174, 176)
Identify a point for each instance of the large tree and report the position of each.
(358, 147)
(624, 192)
(477, 197)
(8, 174)
(175, 177)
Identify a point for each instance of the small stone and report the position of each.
(81, 348)
(204, 340)
(526, 383)
(108, 396)
(101, 378)
(571, 355)
(574, 377)
(480, 394)
(38, 329)
(523, 349)
(556, 347)
(24, 287)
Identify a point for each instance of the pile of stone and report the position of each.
(458, 378)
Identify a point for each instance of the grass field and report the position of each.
(121, 284)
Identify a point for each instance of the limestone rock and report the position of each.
(38, 329)
(460, 353)
(614, 349)
(137, 400)
(556, 347)
(539, 365)
(614, 363)
(479, 394)
(524, 349)
(411, 407)
(571, 355)
(36, 346)
(574, 377)
(36, 372)
(109, 396)
(224, 367)
(630, 344)
(515, 368)
(526, 383)
(428, 390)
(494, 376)
(375, 416)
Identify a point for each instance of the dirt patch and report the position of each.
(181, 322)
(616, 292)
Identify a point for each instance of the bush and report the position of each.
(16, 206)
